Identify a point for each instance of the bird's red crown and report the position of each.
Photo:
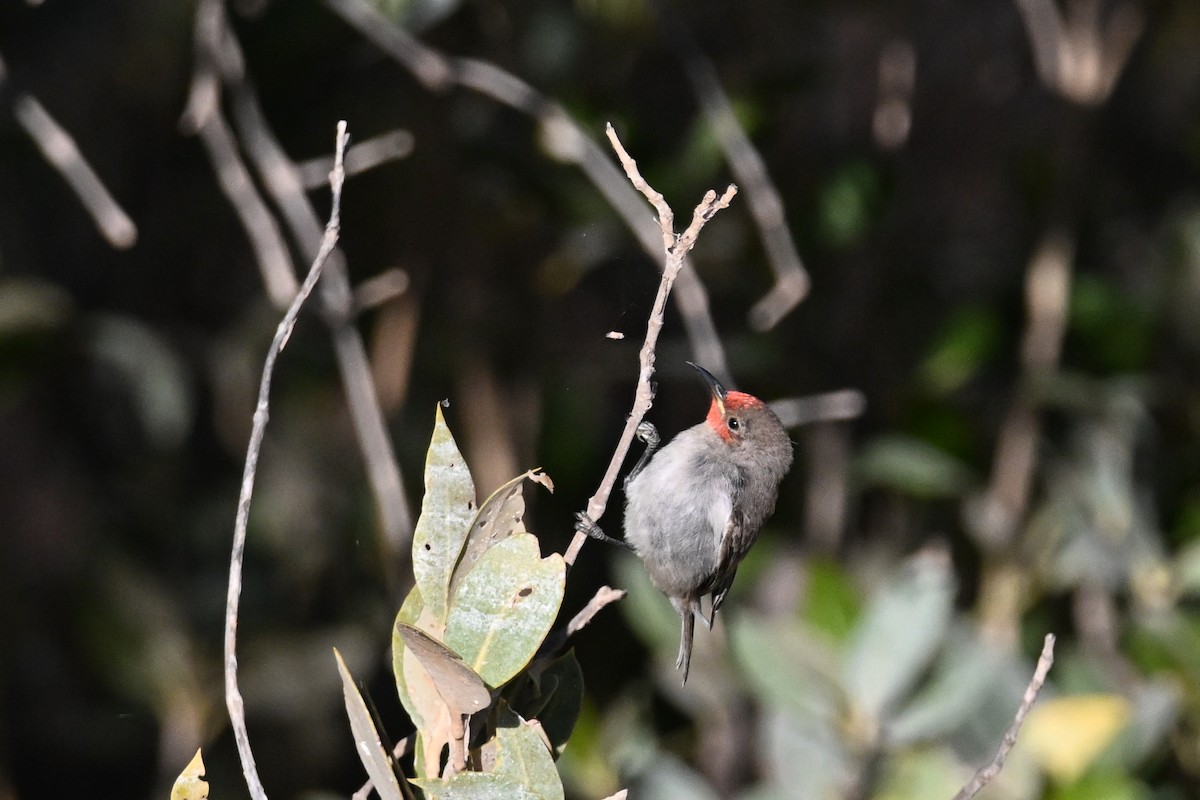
(721, 409)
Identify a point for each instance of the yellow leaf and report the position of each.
(188, 785)
(1066, 735)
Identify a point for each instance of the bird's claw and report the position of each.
(646, 432)
(588, 527)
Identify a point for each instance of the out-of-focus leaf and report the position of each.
(500, 516)
(462, 690)
(970, 337)
(899, 633)
(475, 786)
(1155, 709)
(648, 612)
(786, 667)
(504, 607)
(145, 364)
(831, 603)
(30, 305)
(1066, 734)
(806, 757)
(1103, 786)
(671, 779)
(522, 754)
(446, 513)
(190, 784)
(921, 774)
(963, 677)
(848, 204)
(366, 738)
(912, 466)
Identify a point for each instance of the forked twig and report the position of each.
(233, 696)
(676, 247)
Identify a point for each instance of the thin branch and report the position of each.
(283, 182)
(604, 596)
(676, 248)
(361, 157)
(233, 696)
(750, 171)
(561, 136)
(63, 154)
(988, 772)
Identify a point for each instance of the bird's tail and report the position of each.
(688, 616)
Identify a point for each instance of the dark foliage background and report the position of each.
(127, 376)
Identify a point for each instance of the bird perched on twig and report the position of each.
(694, 508)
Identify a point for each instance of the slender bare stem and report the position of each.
(989, 771)
(676, 248)
(233, 696)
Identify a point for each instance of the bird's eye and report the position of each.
(734, 424)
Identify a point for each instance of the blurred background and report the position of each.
(988, 358)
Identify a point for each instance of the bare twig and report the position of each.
(988, 772)
(233, 696)
(746, 163)
(604, 596)
(828, 407)
(63, 155)
(361, 157)
(561, 136)
(676, 247)
(283, 183)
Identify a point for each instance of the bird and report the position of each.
(695, 507)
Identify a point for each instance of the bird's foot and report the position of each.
(646, 432)
(587, 526)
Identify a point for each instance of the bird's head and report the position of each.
(732, 415)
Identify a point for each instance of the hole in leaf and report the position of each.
(528, 590)
(428, 546)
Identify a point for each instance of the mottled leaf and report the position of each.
(504, 607)
(446, 513)
(899, 633)
(523, 755)
(500, 516)
(912, 466)
(475, 786)
(190, 784)
(366, 738)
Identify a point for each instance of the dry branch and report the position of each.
(989, 771)
(233, 696)
(675, 247)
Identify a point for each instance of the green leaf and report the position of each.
(786, 666)
(522, 754)
(445, 520)
(900, 631)
(190, 784)
(912, 466)
(500, 516)
(964, 678)
(366, 738)
(475, 786)
(969, 339)
(503, 609)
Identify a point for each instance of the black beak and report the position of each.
(718, 391)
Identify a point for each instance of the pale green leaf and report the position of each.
(786, 665)
(503, 609)
(899, 633)
(366, 738)
(500, 516)
(913, 467)
(446, 513)
(475, 786)
(522, 754)
(461, 689)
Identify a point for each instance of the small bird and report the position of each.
(694, 508)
